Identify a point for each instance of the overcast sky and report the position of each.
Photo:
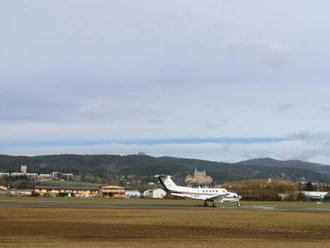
(224, 80)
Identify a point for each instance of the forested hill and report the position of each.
(145, 167)
(321, 168)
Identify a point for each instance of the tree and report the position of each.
(309, 186)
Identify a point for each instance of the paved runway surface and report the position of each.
(151, 206)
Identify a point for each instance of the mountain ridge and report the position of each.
(108, 168)
(321, 168)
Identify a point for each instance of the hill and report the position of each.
(111, 168)
(269, 162)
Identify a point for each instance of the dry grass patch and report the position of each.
(95, 227)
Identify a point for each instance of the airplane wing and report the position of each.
(200, 196)
(229, 197)
(187, 195)
(217, 197)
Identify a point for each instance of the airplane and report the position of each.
(212, 196)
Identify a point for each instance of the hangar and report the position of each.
(112, 191)
(73, 191)
(69, 191)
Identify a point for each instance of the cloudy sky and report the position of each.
(224, 80)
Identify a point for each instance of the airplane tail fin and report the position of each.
(167, 182)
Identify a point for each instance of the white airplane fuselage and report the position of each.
(205, 194)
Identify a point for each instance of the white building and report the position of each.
(16, 174)
(154, 193)
(318, 195)
(132, 194)
(4, 174)
(45, 176)
(31, 176)
(23, 169)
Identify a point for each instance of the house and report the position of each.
(132, 194)
(316, 195)
(3, 188)
(112, 191)
(154, 193)
(4, 174)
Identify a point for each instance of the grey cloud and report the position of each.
(163, 69)
(312, 147)
(309, 136)
(268, 53)
(283, 108)
(325, 108)
(301, 135)
(216, 125)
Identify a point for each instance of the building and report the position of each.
(3, 188)
(60, 175)
(4, 174)
(68, 176)
(23, 169)
(68, 191)
(154, 193)
(198, 178)
(16, 174)
(284, 196)
(112, 191)
(132, 194)
(45, 176)
(20, 192)
(56, 175)
(32, 176)
(316, 195)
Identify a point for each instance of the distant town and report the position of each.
(55, 175)
(59, 184)
(66, 189)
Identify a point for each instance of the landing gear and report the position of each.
(210, 203)
(218, 204)
(214, 204)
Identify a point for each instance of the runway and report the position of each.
(23, 203)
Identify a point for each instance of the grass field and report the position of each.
(103, 227)
(141, 201)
